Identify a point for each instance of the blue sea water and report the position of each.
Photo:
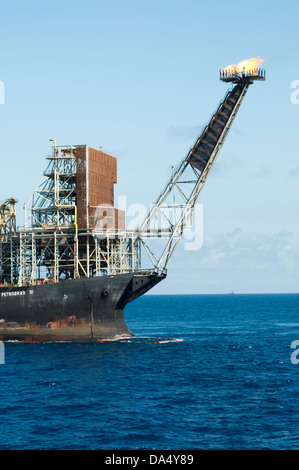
(227, 383)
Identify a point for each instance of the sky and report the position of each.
(141, 80)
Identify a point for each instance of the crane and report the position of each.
(175, 204)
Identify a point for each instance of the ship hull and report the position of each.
(84, 310)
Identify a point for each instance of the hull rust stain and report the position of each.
(86, 309)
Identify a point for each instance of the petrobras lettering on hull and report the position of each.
(15, 293)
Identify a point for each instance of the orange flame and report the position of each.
(248, 66)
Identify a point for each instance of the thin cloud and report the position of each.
(241, 261)
(185, 133)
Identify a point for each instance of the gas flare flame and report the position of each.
(247, 66)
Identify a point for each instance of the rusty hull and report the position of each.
(83, 310)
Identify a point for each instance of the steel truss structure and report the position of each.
(50, 247)
(7, 217)
(53, 202)
(173, 209)
(34, 257)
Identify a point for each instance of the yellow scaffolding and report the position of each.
(7, 217)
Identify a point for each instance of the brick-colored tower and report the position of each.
(96, 176)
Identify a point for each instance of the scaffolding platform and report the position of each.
(71, 227)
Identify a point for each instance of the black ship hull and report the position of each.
(84, 310)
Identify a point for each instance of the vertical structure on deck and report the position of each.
(71, 227)
(7, 231)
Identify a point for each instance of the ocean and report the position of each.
(204, 372)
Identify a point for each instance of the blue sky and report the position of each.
(141, 80)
